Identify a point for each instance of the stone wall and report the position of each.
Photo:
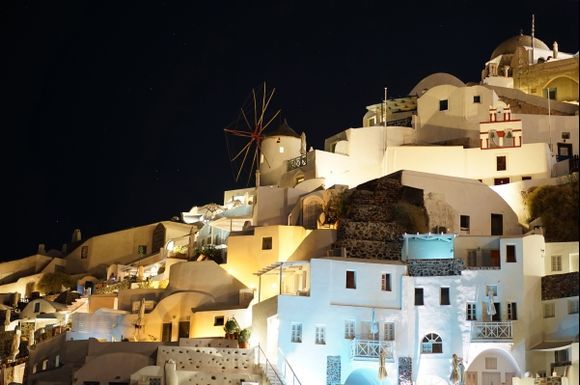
(560, 286)
(207, 359)
(368, 229)
(434, 267)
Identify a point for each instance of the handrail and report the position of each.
(260, 351)
(295, 380)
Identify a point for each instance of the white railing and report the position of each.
(491, 331)
(371, 349)
(299, 161)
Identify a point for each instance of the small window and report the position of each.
(296, 333)
(510, 253)
(350, 279)
(281, 149)
(445, 296)
(512, 310)
(550, 93)
(500, 181)
(432, 343)
(57, 361)
(84, 252)
(471, 312)
(501, 163)
(490, 363)
(218, 320)
(142, 249)
(565, 135)
(561, 356)
(464, 222)
(320, 335)
(526, 178)
(299, 179)
(389, 331)
(267, 243)
(349, 329)
(476, 99)
(44, 364)
(443, 105)
(573, 306)
(418, 296)
(556, 263)
(37, 307)
(491, 289)
(549, 310)
(386, 282)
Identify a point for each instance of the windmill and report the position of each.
(245, 134)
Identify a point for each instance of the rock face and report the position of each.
(434, 267)
(560, 286)
(371, 229)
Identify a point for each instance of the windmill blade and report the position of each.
(246, 147)
(265, 107)
(243, 161)
(254, 161)
(255, 106)
(270, 121)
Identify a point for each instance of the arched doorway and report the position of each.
(492, 367)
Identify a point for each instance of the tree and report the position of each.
(52, 283)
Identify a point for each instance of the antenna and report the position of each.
(385, 117)
(533, 33)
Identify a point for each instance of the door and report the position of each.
(470, 378)
(508, 377)
(166, 332)
(183, 329)
(496, 224)
(490, 378)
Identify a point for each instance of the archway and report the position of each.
(492, 367)
(367, 376)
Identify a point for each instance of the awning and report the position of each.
(551, 346)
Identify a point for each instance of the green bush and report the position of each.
(413, 218)
(557, 206)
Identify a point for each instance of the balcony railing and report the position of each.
(491, 331)
(370, 349)
(297, 162)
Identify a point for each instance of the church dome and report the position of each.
(509, 46)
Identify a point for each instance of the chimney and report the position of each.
(555, 50)
(41, 249)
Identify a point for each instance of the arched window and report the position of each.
(432, 343)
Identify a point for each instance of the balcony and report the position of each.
(491, 331)
(297, 162)
(369, 350)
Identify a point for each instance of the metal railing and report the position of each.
(287, 372)
(491, 331)
(262, 359)
(371, 349)
(294, 163)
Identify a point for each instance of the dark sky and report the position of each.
(114, 113)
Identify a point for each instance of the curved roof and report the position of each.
(282, 130)
(433, 80)
(508, 47)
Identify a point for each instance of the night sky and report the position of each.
(114, 113)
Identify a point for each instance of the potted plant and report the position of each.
(244, 338)
(232, 328)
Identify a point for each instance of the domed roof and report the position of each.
(509, 46)
(433, 80)
(282, 130)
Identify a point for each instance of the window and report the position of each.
(84, 252)
(45, 364)
(320, 335)
(418, 296)
(561, 355)
(444, 300)
(372, 121)
(57, 361)
(142, 249)
(218, 320)
(267, 243)
(389, 331)
(526, 178)
(37, 307)
(281, 149)
(166, 331)
(464, 223)
(565, 135)
(386, 282)
(496, 224)
(296, 333)
(470, 312)
(556, 263)
(500, 181)
(550, 93)
(491, 289)
(490, 363)
(349, 329)
(573, 306)
(350, 280)
(476, 99)
(500, 163)
(34, 369)
(510, 253)
(512, 311)
(432, 343)
(549, 310)
(183, 330)
(443, 105)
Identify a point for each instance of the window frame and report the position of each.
(267, 243)
(350, 279)
(349, 329)
(443, 290)
(421, 292)
(320, 335)
(444, 105)
(510, 256)
(389, 331)
(471, 311)
(429, 342)
(549, 310)
(558, 263)
(501, 163)
(386, 282)
(296, 332)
